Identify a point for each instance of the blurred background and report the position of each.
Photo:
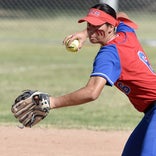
(44, 16)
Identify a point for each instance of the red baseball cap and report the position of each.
(98, 17)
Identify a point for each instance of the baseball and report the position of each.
(73, 47)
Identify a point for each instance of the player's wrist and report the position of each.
(85, 32)
(52, 103)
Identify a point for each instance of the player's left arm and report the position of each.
(84, 95)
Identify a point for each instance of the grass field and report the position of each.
(33, 57)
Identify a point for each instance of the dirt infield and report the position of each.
(59, 142)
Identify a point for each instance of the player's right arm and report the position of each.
(81, 36)
(126, 24)
(123, 15)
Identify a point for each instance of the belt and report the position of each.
(150, 107)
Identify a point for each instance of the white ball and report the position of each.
(73, 47)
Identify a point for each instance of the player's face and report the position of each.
(98, 34)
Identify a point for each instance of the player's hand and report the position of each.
(81, 36)
(31, 107)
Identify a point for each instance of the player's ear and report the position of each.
(111, 28)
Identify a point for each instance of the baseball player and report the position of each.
(120, 61)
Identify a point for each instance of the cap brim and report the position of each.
(91, 20)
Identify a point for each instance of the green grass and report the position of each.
(33, 58)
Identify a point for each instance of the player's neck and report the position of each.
(111, 37)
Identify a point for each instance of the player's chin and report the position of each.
(93, 40)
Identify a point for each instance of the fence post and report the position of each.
(112, 3)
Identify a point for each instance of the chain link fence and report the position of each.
(51, 20)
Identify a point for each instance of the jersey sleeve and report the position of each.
(107, 64)
(122, 27)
